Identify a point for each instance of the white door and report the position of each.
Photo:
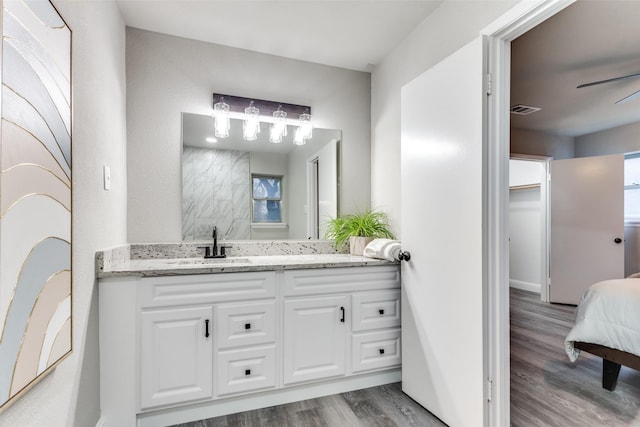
(442, 226)
(315, 335)
(587, 219)
(176, 356)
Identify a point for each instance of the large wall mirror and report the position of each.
(256, 189)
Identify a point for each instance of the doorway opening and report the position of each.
(529, 223)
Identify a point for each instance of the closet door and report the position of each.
(442, 191)
(587, 224)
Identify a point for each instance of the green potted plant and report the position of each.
(358, 229)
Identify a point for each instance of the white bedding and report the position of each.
(609, 315)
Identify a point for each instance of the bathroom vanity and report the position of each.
(184, 338)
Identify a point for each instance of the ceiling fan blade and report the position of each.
(627, 98)
(630, 76)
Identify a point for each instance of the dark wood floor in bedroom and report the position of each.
(546, 389)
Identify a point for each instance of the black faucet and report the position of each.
(215, 240)
(212, 251)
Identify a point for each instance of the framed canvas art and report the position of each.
(35, 195)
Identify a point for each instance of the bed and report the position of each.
(608, 326)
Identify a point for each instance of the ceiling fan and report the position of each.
(615, 79)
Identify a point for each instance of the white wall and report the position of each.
(448, 28)
(69, 396)
(542, 144)
(525, 225)
(168, 75)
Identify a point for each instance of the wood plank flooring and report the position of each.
(383, 406)
(546, 389)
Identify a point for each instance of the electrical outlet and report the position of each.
(107, 177)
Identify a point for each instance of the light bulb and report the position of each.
(251, 124)
(221, 119)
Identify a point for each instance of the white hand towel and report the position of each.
(383, 249)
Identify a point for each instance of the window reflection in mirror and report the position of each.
(218, 183)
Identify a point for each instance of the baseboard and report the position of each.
(525, 286)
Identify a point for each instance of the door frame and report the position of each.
(545, 226)
(521, 18)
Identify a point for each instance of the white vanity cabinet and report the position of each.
(340, 322)
(227, 339)
(186, 347)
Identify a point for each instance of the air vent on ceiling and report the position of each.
(524, 110)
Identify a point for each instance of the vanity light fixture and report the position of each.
(279, 125)
(221, 118)
(251, 122)
(304, 130)
(279, 115)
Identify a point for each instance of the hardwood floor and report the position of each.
(546, 389)
(384, 406)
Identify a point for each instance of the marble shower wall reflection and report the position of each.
(215, 191)
(35, 195)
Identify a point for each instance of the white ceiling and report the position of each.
(353, 34)
(588, 41)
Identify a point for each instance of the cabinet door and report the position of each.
(315, 332)
(176, 363)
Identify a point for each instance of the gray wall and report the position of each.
(69, 396)
(168, 75)
(542, 144)
(623, 139)
(448, 28)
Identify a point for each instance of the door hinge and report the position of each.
(489, 389)
(489, 84)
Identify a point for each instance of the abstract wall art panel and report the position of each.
(35, 195)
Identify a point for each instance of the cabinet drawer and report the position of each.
(375, 350)
(206, 288)
(246, 370)
(375, 310)
(243, 324)
(339, 280)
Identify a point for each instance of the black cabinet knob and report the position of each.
(381, 351)
(381, 311)
(247, 326)
(617, 240)
(247, 372)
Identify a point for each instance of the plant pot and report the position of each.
(357, 244)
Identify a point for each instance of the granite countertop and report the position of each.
(167, 260)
